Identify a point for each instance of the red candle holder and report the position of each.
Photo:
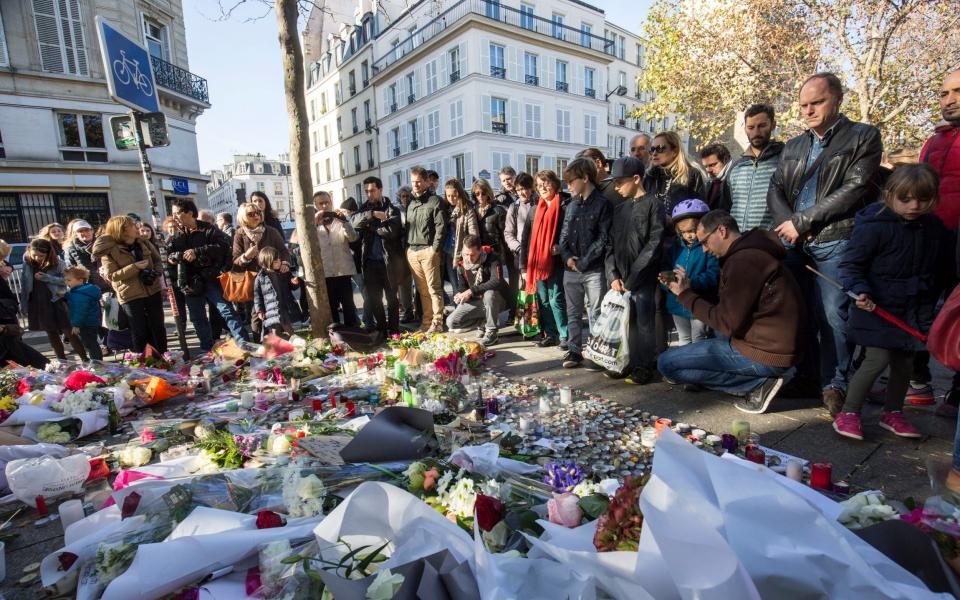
(351, 409)
(821, 476)
(661, 423)
(317, 405)
(755, 454)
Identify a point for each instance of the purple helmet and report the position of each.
(686, 209)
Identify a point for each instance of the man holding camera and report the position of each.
(200, 252)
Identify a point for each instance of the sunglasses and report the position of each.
(659, 149)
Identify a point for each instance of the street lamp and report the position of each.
(620, 90)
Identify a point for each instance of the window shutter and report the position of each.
(444, 77)
(576, 81)
(528, 120)
(485, 117)
(404, 148)
(447, 169)
(420, 133)
(521, 163)
(515, 71)
(4, 55)
(484, 58)
(72, 27)
(514, 118)
(462, 53)
(468, 177)
(48, 36)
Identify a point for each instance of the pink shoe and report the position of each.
(847, 424)
(895, 422)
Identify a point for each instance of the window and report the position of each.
(563, 125)
(326, 136)
(531, 113)
(394, 141)
(431, 77)
(81, 131)
(342, 164)
(353, 120)
(367, 122)
(622, 113)
(328, 170)
(590, 130)
(492, 9)
(336, 93)
(356, 159)
(365, 73)
(323, 103)
(562, 85)
(60, 36)
(414, 142)
(622, 46)
(433, 127)
(397, 179)
(558, 26)
(498, 114)
(526, 16)
(459, 170)
(315, 148)
(456, 118)
(561, 167)
(370, 154)
(316, 173)
(4, 55)
(339, 129)
(454, 56)
(352, 83)
(22, 215)
(313, 110)
(411, 87)
(585, 34)
(156, 39)
(392, 97)
(277, 188)
(622, 78)
(530, 69)
(639, 55)
(588, 89)
(497, 68)
(532, 164)
(261, 186)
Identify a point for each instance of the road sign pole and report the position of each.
(158, 231)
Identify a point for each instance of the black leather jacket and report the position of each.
(213, 251)
(369, 227)
(847, 182)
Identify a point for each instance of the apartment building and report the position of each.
(247, 173)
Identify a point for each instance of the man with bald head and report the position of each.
(826, 174)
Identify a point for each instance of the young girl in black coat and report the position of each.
(890, 262)
(272, 299)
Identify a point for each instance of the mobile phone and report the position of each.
(667, 276)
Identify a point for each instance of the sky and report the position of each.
(240, 59)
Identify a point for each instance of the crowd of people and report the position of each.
(740, 257)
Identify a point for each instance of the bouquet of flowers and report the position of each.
(619, 528)
(81, 401)
(59, 432)
(940, 520)
(303, 495)
(865, 509)
(8, 404)
(151, 359)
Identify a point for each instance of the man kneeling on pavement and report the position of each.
(759, 319)
(480, 290)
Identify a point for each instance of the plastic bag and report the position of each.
(609, 347)
(46, 476)
(11, 453)
(111, 311)
(527, 321)
(944, 340)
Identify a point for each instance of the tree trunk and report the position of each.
(314, 283)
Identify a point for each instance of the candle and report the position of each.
(741, 430)
(295, 414)
(728, 442)
(566, 396)
(351, 409)
(821, 476)
(648, 439)
(71, 511)
(713, 439)
(662, 423)
(493, 405)
(231, 406)
(281, 396)
(756, 455)
(408, 396)
(317, 405)
(524, 425)
(399, 371)
(795, 469)
(247, 399)
(545, 406)
(260, 401)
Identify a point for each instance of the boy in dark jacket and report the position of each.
(480, 286)
(83, 298)
(583, 242)
(632, 259)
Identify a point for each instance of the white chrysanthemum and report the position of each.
(587, 488)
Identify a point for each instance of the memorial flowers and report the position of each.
(81, 401)
(302, 496)
(619, 528)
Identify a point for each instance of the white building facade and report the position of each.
(230, 187)
(58, 159)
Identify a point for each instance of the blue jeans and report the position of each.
(715, 364)
(583, 292)
(196, 307)
(829, 308)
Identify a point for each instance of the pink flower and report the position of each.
(430, 479)
(564, 509)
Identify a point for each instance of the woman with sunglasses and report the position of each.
(252, 236)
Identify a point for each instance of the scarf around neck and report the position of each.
(540, 261)
(254, 234)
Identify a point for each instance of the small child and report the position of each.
(83, 299)
(890, 262)
(702, 269)
(272, 299)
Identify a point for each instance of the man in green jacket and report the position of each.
(426, 226)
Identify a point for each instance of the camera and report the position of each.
(149, 276)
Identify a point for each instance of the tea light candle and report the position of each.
(795, 470)
(247, 399)
(698, 433)
(741, 430)
(729, 442)
(524, 423)
(399, 370)
(821, 476)
(713, 439)
(545, 406)
(260, 401)
(566, 396)
(71, 511)
(281, 396)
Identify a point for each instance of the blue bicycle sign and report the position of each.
(127, 68)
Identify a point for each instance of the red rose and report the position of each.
(490, 511)
(66, 560)
(267, 519)
(24, 385)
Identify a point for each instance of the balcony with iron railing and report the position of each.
(179, 80)
(494, 11)
(499, 126)
(563, 86)
(531, 80)
(498, 72)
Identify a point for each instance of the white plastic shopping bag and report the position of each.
(609, 346)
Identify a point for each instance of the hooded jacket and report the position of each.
(749, 181)
(761, 308)
(894, 261)
(118, 261)
(703, 270)
(84, 303)
(633, 247)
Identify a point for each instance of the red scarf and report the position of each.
(540, 260)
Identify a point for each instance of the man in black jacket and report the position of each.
(201, 251)
(507, 194)
(825, 176)
(583, 241)
(381, 254)
(480, 287)
(426, 228)
(632, 259)
(715, 159)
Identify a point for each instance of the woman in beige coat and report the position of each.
(133, 268)
(336, 233)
